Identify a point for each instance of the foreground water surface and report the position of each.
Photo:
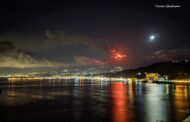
(93, 101)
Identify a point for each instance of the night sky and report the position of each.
(75, 33)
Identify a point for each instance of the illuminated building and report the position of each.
(152, 76)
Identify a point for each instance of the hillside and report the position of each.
(177, 70)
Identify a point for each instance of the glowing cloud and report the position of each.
(116, 55)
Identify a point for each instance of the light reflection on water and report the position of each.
(120, 108)
(74, 100)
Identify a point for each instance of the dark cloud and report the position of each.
(11, 57)
(29, 42)
(87, 61)
(57, 46)
(6, 46)
(62, 38)
(52, 39)
(174, 54)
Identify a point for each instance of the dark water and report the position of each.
(93, 101)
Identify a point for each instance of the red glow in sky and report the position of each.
(116, 55)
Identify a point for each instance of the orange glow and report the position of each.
(180, 94)
(117, 55)
(119, 102)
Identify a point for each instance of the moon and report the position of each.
(152, 38)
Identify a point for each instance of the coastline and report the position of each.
(100, 78)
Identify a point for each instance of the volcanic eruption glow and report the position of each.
(116, 55)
